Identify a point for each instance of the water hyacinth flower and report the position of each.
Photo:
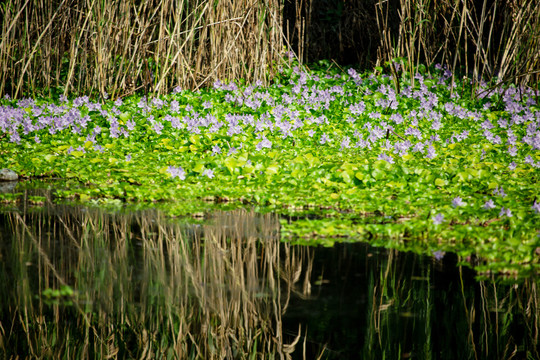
(438, 219)
(345, 143)
(499, 191)
(265, 143)
(489, 205)
(505, 212)
(208, 173)
(177, 172)
(216, 150)
(324, 139)
(512, 150)
(430, 154)
(130, 124)
(386, 157)
(157, 127)
(458, 201)
(536, 207)
(438, 255)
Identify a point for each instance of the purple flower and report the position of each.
(438, 219)
(489, 205)
(438, 255)
(499, 191)
(457, 201)
(324, 139)
(130, 124)
(128, 157)
(265, 143)
(345, 143)
(158, 127)
(536, 207)
(209, 173)
(216, 150)
(177, 172)
(505, 211)
(383, 156)
(431, 152)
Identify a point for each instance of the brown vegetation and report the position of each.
(125, 46)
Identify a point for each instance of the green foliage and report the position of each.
(422, 169)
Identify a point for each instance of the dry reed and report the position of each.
(485, 40)
(119, 47)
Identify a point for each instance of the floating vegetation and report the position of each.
(449, 166)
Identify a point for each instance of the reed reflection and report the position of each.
(85, 283)
(92, 284)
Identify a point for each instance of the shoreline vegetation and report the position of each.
(198, 104)
(441, 166)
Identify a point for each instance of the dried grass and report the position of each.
(119, 47)
(484, 40)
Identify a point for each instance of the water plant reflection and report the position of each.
(85, 283)
(141, 286)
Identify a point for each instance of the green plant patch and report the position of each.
(440, 166)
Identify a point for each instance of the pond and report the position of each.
(87, 283)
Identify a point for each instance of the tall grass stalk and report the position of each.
(486, 40)
(122, 46)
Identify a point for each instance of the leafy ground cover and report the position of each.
(425, 163)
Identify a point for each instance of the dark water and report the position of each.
(83, 283)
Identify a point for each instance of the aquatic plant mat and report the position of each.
(86, 283)
(415, 161)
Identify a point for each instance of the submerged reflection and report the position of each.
(92, 284)
(373, 303)
(83, 283)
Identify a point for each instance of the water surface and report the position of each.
(86, 283)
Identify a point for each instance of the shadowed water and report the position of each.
(85, 283)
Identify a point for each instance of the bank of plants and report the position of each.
(425, 161)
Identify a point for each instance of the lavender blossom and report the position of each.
(438, 255)
(431, 152)
(505, 212)
(345, 143)
(208, 173)
(489, 205)
(177, 172)
(324, 139)
(265, 143)
(536, 207)
(458, 201)
(499, 191)
(438, 219)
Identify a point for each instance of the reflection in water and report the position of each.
(373, 303)
(82, 283)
